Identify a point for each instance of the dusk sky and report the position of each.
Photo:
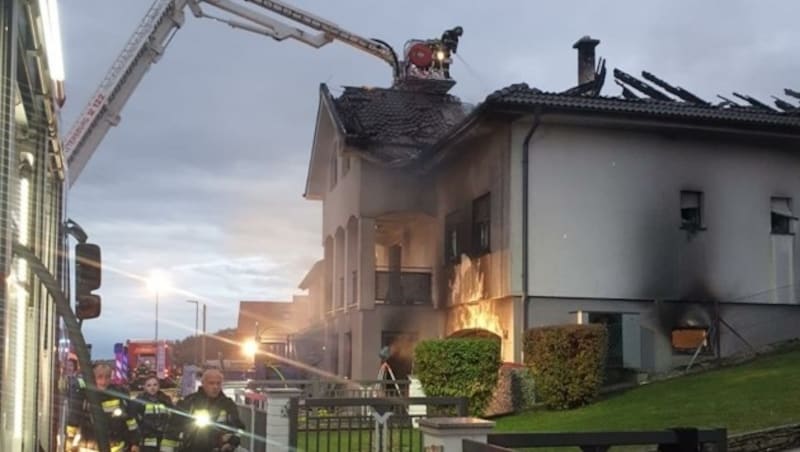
(204, 176)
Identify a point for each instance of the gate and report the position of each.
(365, 424)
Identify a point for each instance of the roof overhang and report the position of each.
(478, 123)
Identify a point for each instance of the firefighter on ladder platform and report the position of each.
(123, 430)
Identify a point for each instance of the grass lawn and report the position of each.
(762, 393)
(358, 441)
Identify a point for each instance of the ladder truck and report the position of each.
(425, 61)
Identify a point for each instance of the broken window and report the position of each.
(692, 210)
(481, 225)
(781, 216)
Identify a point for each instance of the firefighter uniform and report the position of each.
(203, 424)
(123, 429)
(152, 414)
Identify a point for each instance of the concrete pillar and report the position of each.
(366, 345)
(366, 263)
(445, 434)
(278, 418)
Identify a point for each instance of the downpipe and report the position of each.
(525, 233)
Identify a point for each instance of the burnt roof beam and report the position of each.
(675, 90)
(626, 93)
(641, 86)
(754, 102)
(726, 101)
(785, 106)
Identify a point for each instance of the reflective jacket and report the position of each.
(122, 428)
(152, 414)
(203, 424)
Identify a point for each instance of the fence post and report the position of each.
(446, 434)
(278, 412)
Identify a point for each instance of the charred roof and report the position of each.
(393, 126)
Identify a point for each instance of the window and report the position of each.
(481, 225)
(345, 165)
(692, 210)
(334, 169)
(781, 216)
(451, 251)
(452, 237)
(354, 288)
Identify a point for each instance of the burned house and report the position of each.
(668, 217)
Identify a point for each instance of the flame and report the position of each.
(478, 316)
(467, 283)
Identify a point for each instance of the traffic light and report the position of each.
(87, 279)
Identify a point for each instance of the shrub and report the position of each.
(514, 391)
(567, 363)
(459, 368)
(523, 389)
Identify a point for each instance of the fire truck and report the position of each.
(139, 358)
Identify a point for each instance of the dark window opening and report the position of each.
(334, 170)
(340, 297)
(481, 225)
(781, 216)
(354, 288)
(692, 210)
(348, 355)
(456, 232)
(400, 348)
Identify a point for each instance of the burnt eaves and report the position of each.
(522, 98)
(686, 110)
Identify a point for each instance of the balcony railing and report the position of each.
(406, 287)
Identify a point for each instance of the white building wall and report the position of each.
(605, 214)
(342, 201)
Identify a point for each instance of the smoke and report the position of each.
(694, 310)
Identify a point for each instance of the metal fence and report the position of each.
(385, 424)
(335, 388)
(255, 421)
(675, 440)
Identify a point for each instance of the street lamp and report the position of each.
(157, 282)
(196, 329)
(250, 348)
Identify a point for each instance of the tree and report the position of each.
(223, 341)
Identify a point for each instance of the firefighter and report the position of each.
(123, 434)
(151, 409)
(205, 421)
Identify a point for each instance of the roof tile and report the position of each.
(395, 125)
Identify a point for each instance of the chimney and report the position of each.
(586, 64)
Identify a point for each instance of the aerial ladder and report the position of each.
(425, 61)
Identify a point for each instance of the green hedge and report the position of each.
(459, 368)
(567, 363)
(515, 391)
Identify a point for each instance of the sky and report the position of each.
(203, 178)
